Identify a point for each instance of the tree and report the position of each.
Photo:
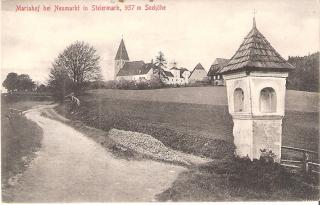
(160, 63)
(25, 83)
(15, 82)
(77, 65)
(59, 83)
(10, 83)
(305, 76)
(41, 88)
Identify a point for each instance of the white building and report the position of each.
(136, 71)
(180, 76)
(198, 74)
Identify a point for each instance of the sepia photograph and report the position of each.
(160, 101)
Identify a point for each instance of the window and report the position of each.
(268, 100)
(238, 100)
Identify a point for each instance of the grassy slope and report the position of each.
(203, 129)
(122, 109)
(238, 180)
(20, 139)
(168, 122)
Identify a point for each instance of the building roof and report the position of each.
(198, 67)
(220, 61)
(174, 68)
(182, 70)
(217, 65)
(122, 52)
(135, 68)
(168, 73)
(256, 53)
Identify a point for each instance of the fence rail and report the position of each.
(305, 165)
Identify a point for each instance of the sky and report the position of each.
(187, 31)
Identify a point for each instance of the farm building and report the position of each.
(198, 74)
(180, 76)
(214, 75)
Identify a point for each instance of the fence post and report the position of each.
(305, 168)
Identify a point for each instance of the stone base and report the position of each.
(253, 135)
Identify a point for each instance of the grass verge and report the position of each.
(20, 140)
(238, 180)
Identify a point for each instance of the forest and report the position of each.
(305, 76)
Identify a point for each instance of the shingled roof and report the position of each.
(256, 53)
(122, 52)
(135, 68)
(217, 65)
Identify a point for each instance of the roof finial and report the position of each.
(174, 63)
(254, 19)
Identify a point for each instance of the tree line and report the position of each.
(305, 76)
(15, 82)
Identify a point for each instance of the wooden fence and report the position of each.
(308, 165)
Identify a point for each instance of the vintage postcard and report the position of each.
(159, 101)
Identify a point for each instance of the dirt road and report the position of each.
(73, 168)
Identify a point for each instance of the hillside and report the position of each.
(193, 120)
(305, 76)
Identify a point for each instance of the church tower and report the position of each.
(120, 59)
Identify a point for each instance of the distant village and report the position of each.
(140, 71)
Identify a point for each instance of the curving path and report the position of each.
(73, 168)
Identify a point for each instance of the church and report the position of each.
(140, 71)
(131, 70)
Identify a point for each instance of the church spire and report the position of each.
(122, 53)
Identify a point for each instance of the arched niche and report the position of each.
(238, 97)
(268, 100)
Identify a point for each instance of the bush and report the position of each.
(127, 84)
(111, 84)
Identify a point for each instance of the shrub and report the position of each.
(126, 84)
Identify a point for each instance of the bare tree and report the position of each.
(79, 63)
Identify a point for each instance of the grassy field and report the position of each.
(20, 139)
(204, 130)
(295, 100)
(177, 123)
